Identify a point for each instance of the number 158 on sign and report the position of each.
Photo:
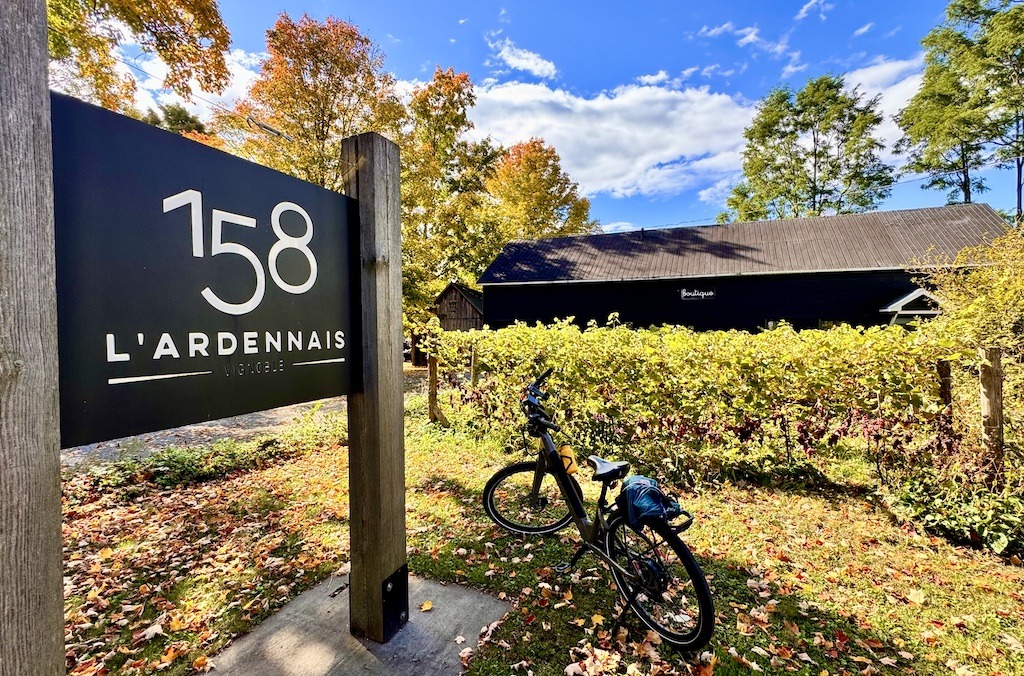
(194, 200)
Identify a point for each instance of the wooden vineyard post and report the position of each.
(992, 409)
(432, 388)
(31, 603)
(379, 589)
(945, 382)
(434, 413)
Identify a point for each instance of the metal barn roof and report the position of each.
(868, 241)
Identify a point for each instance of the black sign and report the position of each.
(191, 285)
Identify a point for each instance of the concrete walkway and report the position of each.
(310, 635)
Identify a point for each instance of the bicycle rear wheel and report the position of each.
(509, 499)
(661, 582)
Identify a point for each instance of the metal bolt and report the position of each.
(391, 585)
(403, 616)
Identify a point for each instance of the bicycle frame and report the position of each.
(590, 530)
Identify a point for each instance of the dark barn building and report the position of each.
(810, 272)
(460, 308)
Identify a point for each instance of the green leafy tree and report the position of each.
(743, 205)
(321, 83)
(810, 153)
(982, 43)
(188, 35)
(945, 126)
(442, 188)
(175, 118)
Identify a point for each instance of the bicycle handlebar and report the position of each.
(545, 422)
(534, 387)
(536, 413)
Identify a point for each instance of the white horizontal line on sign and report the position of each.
(319, 361)
(139, 379)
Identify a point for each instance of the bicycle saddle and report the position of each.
(606, 470)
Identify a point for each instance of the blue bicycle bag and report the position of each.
(642, 499)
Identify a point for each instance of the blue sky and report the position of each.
(646, 104)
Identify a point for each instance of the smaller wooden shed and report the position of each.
(460, 308)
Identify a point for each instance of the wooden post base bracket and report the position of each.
(395, 601)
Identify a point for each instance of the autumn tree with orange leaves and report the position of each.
(321, 83)
(530, 196)
(84, 35)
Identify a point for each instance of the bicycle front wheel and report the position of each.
(661, 582)
(511, 501)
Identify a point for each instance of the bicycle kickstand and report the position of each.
(564, 568)
(625, 606)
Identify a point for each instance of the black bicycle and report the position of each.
(652, 567)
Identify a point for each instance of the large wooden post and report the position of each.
(31, 603)
(379, 579)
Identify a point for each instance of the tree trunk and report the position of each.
(1019, 163)
(31, 603)
(965, 174)
(1020, 176)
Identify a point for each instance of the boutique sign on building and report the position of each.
(191, 285)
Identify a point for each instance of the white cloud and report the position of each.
(726, 27)
(719, 192)
(717, 69)
(794, 66)
(462, 21)
(749, 36)
(632, 140)
(618, 226)
(657, 78)
(895, 82)
(523, 59)
(863, 29)
(663, 79)
(821, 5)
